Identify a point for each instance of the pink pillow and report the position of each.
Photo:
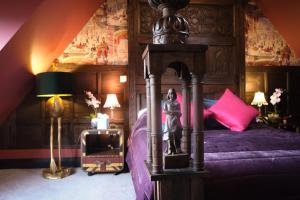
(232, 112)
(206, 112)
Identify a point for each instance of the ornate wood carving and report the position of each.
(216, 23)
(147, 18)
(220, 61)
(188, 61)
(170, 28)
(216, 20)
(202, 19)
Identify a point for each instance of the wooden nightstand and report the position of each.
(290, 125)
(102, 150)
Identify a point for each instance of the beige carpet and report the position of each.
(28, 184)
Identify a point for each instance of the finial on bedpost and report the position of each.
(170, 28)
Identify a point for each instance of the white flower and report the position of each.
(275, 98)
(273, 101)
(92, 101)
(96, 103)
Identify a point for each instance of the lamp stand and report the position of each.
(55, 107)
(111, 112)
(259, 118)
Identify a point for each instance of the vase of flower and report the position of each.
(274, 116)
(94, 122)
(93, 102)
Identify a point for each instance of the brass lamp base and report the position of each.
(59, 174)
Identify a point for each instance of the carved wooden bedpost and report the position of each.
(170, 28)
(198, 124)
(186, 136)
(156, 133)
(188, 60)
(148, 100)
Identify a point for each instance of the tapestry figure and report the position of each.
(102, 51)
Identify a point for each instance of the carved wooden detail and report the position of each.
(215, 20)
(170, 28)
(147, 18)
(218, 24)
(202, 19)
(220, 61)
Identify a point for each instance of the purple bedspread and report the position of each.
(259, 163)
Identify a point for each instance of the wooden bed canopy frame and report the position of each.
(188, 60)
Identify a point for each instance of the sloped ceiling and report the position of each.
(34, 41)
(284, 16)
(13, 14)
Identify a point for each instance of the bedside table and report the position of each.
(102, 150)
(289, 125)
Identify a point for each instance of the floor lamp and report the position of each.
(54, 85)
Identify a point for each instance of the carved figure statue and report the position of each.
(173, 128)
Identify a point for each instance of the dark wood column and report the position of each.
(186, 139)
(198, 162)
(148, 100)
(184, 183)
(156, 135)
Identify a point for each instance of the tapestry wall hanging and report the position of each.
(264, 46)
(104, 38)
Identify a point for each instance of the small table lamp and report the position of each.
(111, 102)
(54, 85)
(259, 100)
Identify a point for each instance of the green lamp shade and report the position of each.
(50, 84)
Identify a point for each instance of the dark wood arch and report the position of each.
(181, 69)
(188, 60)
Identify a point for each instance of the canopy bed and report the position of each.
(223, 163)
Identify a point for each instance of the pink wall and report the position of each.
(42, 38)
(13, 14)
(284, 16)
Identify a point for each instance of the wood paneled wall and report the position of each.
(267, 78)
(218, 24)
(29, 126)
